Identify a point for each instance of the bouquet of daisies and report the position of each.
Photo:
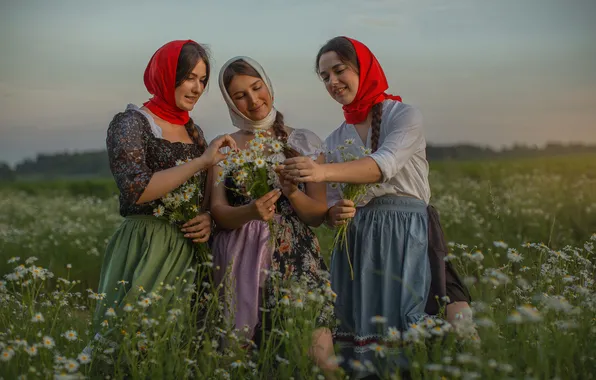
(183, 203)
(350, 191)
(253, 169)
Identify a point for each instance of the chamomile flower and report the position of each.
(378, 319)
(6, 355)
(71, 365)
(500, 244)
(145, 302)
(48, 342)
(514, 256)
(84, 358)
(159, 211)
(393, 334)
(259, 162)
(31, 350)
(285, 300)
(71, 335)
(378, 349)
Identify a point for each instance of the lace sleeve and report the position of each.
(126, 142)
(307, 143)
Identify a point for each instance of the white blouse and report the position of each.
(306, 142)
(401, 154)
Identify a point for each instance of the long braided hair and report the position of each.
(347, 54)
(377, 116)
(196, 135)
(190, 54)
(240, 67)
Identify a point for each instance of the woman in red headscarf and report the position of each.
(395, 242)
(144, 145)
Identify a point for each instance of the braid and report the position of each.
(197, 136)
(377, 115)
(282, 135)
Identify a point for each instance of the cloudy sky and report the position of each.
(485, 72)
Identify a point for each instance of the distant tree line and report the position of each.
(94, 164)
(60, 165)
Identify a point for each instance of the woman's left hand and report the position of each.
(303, 169)
(288, 187)
(198, 228)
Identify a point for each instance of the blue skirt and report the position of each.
(387, 246)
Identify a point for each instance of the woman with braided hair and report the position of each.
(397, 271)
(143, 145)
(242, 254)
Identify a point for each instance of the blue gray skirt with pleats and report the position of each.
(387, 246)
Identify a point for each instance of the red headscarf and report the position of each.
(371, 87)
(160, 80)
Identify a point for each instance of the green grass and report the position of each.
(536, 316)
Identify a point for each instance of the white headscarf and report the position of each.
(238, 119)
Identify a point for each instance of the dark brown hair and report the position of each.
(347, 54)
(241, 67)
(190, 54)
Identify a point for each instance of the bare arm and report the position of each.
(361, 171)
(164, 181)
(311, 206)
(304, 169)
(401, 143)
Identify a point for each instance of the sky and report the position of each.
(484, 72)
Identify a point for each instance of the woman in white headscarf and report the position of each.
(242, 256)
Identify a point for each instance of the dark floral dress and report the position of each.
(255, 274)
(297, 254)
(135, 153)
(144, 252)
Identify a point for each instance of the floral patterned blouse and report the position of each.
(136, 151)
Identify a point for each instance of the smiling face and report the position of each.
(190, 90)
(251, 96)
(341, 79)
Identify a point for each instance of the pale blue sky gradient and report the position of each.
(485, 72)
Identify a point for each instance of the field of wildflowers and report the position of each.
(521, 232)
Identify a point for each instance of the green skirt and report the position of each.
(144, 255)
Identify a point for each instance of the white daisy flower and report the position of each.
(159, 211)
(48, 342)
(6, 355)
(393, 334)
(500, 244)
(514, 256)
(145, 302)
(71, 335)
(285, 300)
(71, 365)
(84, 358)
(31, 350)
(378, 319)
(378, 349)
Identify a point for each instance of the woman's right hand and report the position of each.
(212, 153)
(264, 207)
(340, 212)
